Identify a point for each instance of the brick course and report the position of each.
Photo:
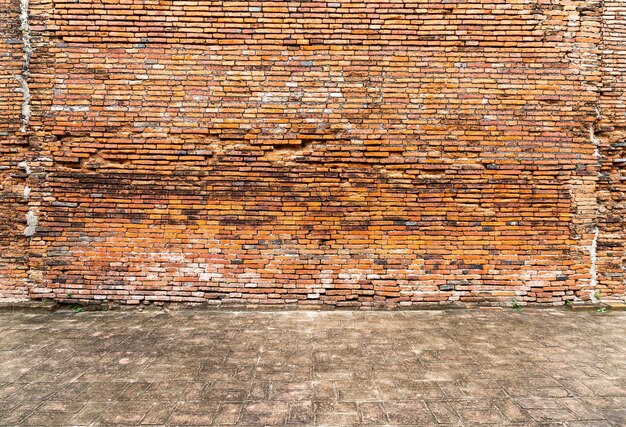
(354, 153)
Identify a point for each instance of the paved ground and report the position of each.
(324, 368)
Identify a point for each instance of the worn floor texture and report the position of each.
(462, 367)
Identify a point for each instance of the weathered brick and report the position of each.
(330, 153)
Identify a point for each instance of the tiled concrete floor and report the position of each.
(529, 367)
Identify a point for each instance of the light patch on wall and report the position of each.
(31, 223)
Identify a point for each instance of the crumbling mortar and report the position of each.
(26, 55)
(31, 223)
(593, 248)
(586, 10)
(27, 50)
(593, 270)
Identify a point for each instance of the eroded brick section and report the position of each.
(339, 153)
(13, 154)
(613, 101)
(611, 138)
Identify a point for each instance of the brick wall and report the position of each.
(14, 150)
(610, 136)
(353, 153)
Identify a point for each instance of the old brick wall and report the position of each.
(351, 153)
(14, 152)
(610, 136)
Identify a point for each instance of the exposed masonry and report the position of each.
(31, 219)
(593, 248)
(31, 223)
(596, 142)
(357, 153)
(24, 165)
(593, 272)
(611, 193)
(24, 77)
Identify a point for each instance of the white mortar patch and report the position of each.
(27, 52)
(31, 223)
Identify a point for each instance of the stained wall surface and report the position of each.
(14, 150)
(351, 153)
(611, 138)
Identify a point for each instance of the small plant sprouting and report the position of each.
(601, 310)
(515, 304)
(597, 294)
(69, 295)
(569, 302)
(76, 308)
